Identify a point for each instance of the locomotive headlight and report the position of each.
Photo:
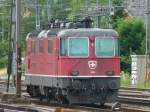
(110, 73)
(74, 73)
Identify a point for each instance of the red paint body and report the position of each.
(55, 65)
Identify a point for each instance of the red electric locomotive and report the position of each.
(73, 65)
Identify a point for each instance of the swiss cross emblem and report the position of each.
(92, 64)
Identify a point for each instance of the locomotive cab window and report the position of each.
(105, 47)
(63, 47)
(78, 46)
(41, 46)
(33, 47)
(50, 46)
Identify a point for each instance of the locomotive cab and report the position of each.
(90, 58)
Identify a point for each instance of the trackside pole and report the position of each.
(12, 57)
(18, 16)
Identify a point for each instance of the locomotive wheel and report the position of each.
(104, 97)
(102, 104)
(65, 100)
(33, 91)
(61, 99)
(47, 94)
(29, 90)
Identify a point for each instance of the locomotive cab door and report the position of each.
(52, 61)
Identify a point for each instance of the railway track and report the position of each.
(138, 99)
(45, 107)
(129, 96)
(134, 96)
(35, 105)
(132, 100)
(15, 108)
(135, 89)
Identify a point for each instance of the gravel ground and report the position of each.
(12, 90)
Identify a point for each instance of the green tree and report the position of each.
(63, 9)
(5, 20)
(118, 2)
(132, 39)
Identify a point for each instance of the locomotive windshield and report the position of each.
(78, 47)
(106, 47)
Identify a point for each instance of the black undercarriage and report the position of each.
(77, 90)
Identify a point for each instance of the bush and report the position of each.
(3, 62)
(132, 40)
(125, 79)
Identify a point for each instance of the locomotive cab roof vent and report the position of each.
(42, 34)
(52, 32)
(69, 25)
(79, 25)
(33, 34)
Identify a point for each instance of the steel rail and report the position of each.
(16, 108)
(132, 88)
(134, 100)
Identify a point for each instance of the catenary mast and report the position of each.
(147, 41)
(18, 38)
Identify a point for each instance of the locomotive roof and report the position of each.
(82, 32)
(86, 32)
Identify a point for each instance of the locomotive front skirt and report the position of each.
(73, 65)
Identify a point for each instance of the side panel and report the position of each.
(90, 67)
(42, 62)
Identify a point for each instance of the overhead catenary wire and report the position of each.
(64, 10)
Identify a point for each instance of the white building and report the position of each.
(139, 68)
(136, 8)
